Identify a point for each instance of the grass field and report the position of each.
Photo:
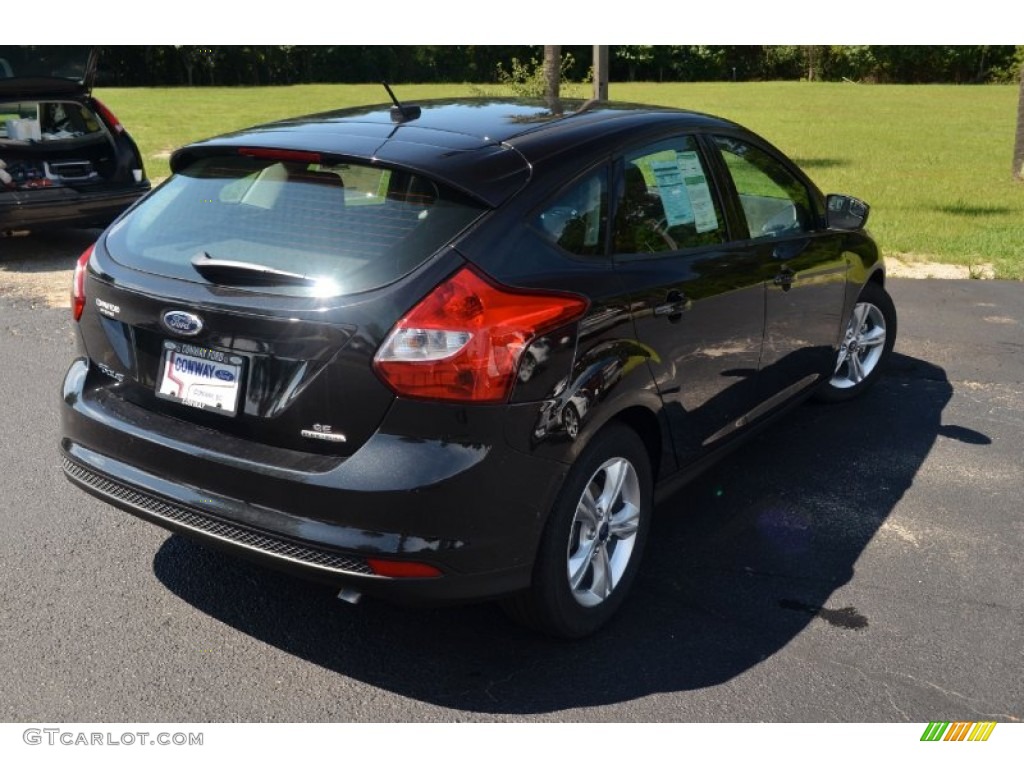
(933, 161)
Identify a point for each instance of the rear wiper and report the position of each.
(227, 272)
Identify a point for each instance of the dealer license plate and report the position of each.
(200, 377)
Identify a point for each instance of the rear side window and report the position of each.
(351, 227)
(666, 202)
(575, 219)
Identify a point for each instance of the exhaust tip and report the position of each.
(350, 596)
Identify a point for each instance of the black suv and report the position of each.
(452, 351)
(65, 159)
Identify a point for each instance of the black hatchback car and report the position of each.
(65, 159)
(451, 352)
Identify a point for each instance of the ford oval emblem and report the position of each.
(182, 323)
(224, 375)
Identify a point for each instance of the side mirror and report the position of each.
(845, 212)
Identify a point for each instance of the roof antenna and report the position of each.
(400, 113)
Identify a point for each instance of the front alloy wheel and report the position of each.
(862, 347)
(866, 345)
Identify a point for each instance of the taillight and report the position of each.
(464, 340)
(78, 284)
(108, 117)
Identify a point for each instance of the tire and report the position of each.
(590, 550)
(866, 346)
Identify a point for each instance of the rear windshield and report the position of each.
(350, 227)
(64, 61)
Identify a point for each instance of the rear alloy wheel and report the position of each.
(603, 532)
(593, 540)
(866, 345)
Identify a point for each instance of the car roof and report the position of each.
(487, 148)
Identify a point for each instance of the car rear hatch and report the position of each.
(55, 140)
(249, 293)
(31, 70)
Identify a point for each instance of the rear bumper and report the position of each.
(473, 509)
(66, 207)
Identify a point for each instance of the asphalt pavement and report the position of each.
(859, 562)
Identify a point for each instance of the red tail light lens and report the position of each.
(464, 340)
(78, 284)
(108, 117)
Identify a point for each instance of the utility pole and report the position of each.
(1018, 144)
(601, 72)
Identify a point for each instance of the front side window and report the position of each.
(774, 202)
(666, 201)
(347, 226)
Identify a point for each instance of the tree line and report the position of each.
(232, 65)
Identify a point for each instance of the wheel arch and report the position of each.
(877, 277)
(640, 411)
(646, 425)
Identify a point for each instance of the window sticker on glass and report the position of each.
(698, 194)
(674, 198)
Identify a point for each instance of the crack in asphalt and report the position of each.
(881, 676)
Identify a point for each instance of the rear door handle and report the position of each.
(675, 305)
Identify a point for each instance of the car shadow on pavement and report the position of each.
(45, 251)
(739, 563)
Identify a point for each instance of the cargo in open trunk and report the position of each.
(65, 159)
(55, 143)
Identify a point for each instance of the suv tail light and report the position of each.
(464, 340)
(108, 117)
(78, 284)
